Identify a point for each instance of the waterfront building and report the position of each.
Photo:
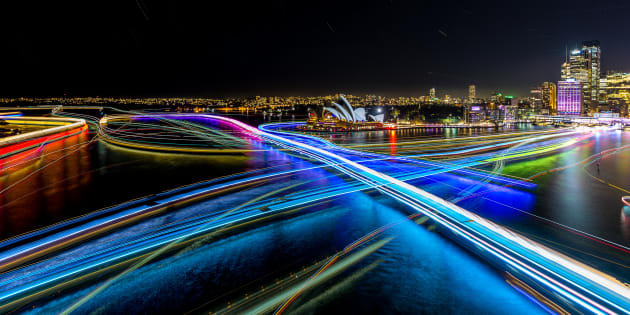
(548, 96)
(432, 93)
(569, 97)
(618, 92)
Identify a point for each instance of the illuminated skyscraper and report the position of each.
(577, 67)
(548, 96)
(592, 57)
(432, 93)
(471, 93)
(584, 65)
(569, 97)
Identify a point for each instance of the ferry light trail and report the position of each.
(559, 274)
(532, 263)
(63, 128)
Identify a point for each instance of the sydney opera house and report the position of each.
(340, 115)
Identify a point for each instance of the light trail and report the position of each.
(336, 257)
(64, 127)
(331, 269)
(500, 246)
(560, 274)
(28, 143)
(163, 249)
(572, 230)
(95, 224)
(226, 142)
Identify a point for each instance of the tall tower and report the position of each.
(584, 65)
(432, 93)
(592, 58)
(471, 93)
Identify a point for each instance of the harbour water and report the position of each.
(416, 270)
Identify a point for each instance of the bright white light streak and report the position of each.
(524, 243)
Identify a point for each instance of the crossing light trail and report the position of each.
(585, 288)
(579, 287)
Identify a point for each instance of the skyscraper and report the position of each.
(569, 97)
(584, 66)
(576, 67)
(471, 93)
(592, 56)
(432, 93)
(548, 96)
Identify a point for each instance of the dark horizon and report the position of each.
(277, 48)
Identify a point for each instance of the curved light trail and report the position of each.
(202, 140)
(557, 273)
(61, 128)
(556, 276)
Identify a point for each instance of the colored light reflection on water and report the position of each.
(38, 183)
(418, 271)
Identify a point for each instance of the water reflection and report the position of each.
(37, 185)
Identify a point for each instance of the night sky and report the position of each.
(238, 48)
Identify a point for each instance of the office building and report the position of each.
(548, 96)
(584, 65)
(591, 53)
(535, 98)
(569, 97)
(618, 92)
